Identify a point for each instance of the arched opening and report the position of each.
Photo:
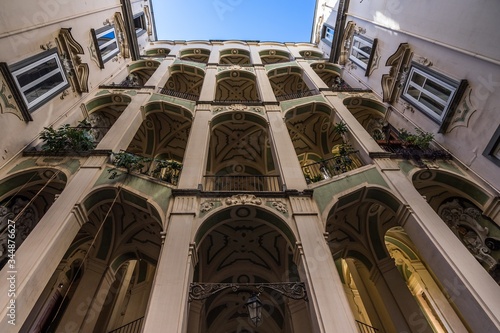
(196, 55)
(363, 233)
(311, 55)
(321, 149)
(369, 113)
(245, 245)
(287, 83)
(24, 198)
(234, 57)
(459, 203)
(240, 156)
(274, 56)
(105, 278)
(328, 72)
(157, 52)
(162, 140)
(233, 86)
(185, 82)
(142, 70)
(103, 111)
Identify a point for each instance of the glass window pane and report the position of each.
(413, 92)
(437, 90)
(431, 104)
(43, 87)
(108, 49)
(418, 79)
(37, 72)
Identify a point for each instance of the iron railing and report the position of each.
(242, 184)
(236, 101)
(331, 167)
(178, 94)
(415, 153)
(132, 327)
(364, 328)
(299, 94)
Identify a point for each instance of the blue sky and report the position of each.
(264, 20)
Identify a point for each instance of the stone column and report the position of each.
(168, 305)
(194, 167)
(195, 325)
(42, 251)
(330, 311)
(464, 280)
(286, 158)
(299, 316)
(364, 293)
(265, 89)
(310, 77)
(161, 75)
(85, 305)
(402, 306)
(116, 317)
(207, 93)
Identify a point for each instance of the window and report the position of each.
(39, 78)
(492, 151)
(139, 24)
(431, 92)
(327, 34)
(361, 51)
(105, 43)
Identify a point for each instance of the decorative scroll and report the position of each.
(374, 61)
(149, 27)
(345, 48)
(293, 290)
(24, 224)
(11, 100)
(241, 199)
(77, 72)
(121, 36)
(464, 221)
(393, 82)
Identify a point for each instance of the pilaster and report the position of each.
(329, 314)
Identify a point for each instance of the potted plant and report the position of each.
(127, 161)
(421, 140)
(67, 139)
(341, 129)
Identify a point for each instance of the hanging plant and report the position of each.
(67, 139)
(341, 129)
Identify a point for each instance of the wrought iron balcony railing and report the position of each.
(364, 328)
(178, 94)
(299, 94)
(331, 167)
(132, 327)
(414, 153)
(242, 184)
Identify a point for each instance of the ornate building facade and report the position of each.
(174, 186)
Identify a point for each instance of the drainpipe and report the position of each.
(339, 30)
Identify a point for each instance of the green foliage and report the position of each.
(421, 139)
(127, 161)
(340, 128)
(67, 139)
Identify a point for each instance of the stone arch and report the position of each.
(369, 113)
(185, 79)
(195, 54)
(157, 52)
(244, 243)
(102, 112)
(25, 197)
(328, 72)
(273, 56)
(236, 85)
(287, 82)
(234, 56)
(311, 54)
(143, 69)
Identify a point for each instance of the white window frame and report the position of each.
(437, 79)
(363, 42)
(30, 63)
(328, 33)
(111, 41)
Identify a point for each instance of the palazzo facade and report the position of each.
(156, 186)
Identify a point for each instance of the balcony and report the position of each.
(364, 328)
(300, 94)
(328, 168)
(242, 184)
(178, 94)
(132, 327)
